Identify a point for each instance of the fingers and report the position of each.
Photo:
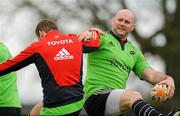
(84, 36)
(98, 30)
(86, 39)
(81, 37)
(94, 34)
(87, 36)
(171, 88)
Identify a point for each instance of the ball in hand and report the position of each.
(159, 93)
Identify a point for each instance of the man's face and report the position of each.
(123, 23)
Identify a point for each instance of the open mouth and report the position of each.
(121, 29)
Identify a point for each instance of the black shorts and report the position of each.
(10, 111)
(95, 104)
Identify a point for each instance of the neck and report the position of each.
(122, 38)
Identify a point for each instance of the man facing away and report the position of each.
(58, 58)
(10, 104)
(108, 69)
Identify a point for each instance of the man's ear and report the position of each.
(42, 34)
(133, 27)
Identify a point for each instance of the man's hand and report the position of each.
(155, 77)
(87, 36)
(92, 33)
(171, 87)
(97, 29)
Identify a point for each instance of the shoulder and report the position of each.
(105, 38)
(72, 35)
(134, 50)
(133, 46)
(105, 35)
(33, 45)
(4, 50)
(3, 47)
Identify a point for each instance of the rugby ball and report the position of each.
(159, 93)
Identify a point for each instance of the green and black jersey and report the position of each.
(109, 66)
(8, 84)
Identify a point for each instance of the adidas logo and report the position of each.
(63, 54)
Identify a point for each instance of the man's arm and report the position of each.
(23, 59)
(90, 40)
(152, 76)
(92, 33)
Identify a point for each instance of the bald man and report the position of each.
(108, 70)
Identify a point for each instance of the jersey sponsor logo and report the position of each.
(120, 65)
(63, 54)
(132, 52)
(53, 43)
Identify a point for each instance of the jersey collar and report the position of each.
(51, 34)
(122, 42)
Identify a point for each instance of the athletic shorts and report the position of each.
(103, 103)
(65, 110)
(10, 111)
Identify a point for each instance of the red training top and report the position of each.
(58, 58)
